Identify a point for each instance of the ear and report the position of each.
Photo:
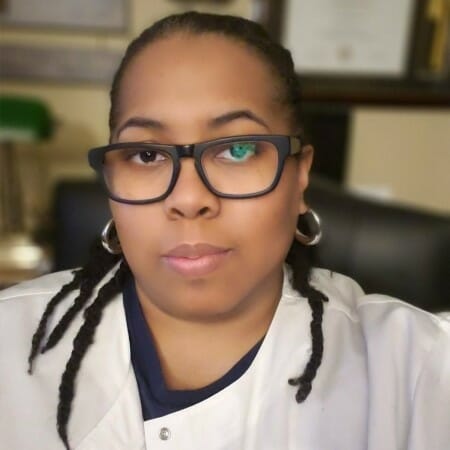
(304, 166)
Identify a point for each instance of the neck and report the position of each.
(196, 353)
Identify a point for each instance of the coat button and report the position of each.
(164, 434)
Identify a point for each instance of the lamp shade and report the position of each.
(24, 119)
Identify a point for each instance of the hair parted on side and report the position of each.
(85, 280)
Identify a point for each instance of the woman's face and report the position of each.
(196, 256)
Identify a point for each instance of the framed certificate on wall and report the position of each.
(364, 51)
(349, 37)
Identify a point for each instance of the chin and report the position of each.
(201, 307)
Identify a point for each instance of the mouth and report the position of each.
(195, 260)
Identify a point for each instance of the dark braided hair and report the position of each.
(100, 263)
(300, 259)
(39, 334)
(85, 280)
(82, 341)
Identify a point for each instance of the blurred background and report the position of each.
(376, 93)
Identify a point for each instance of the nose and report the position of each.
(190, 198)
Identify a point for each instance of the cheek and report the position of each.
(267, 224)
(134, 225)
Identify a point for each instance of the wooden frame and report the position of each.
(61, 64)
(92, 15)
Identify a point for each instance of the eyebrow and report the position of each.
(235, 115)
(140, 122)
(223, 119)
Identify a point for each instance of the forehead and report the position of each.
(191, 75)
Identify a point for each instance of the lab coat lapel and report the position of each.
(106, 412)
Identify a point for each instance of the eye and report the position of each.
(238, 151)
(147, 156)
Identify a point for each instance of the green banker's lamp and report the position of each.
(22, 120)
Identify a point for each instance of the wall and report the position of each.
(402, 154)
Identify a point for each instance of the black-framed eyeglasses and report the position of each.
(232, 167)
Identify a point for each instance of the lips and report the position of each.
(194, 250)
(194, 260)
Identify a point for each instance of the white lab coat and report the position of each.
(384, 382)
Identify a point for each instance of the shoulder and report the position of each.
(27, 300)
(403, 356)
(22, 306)
(43, 286)
(347, 297)
(391, 329)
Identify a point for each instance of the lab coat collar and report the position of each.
(106, 412)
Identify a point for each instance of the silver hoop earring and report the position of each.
(311, 221)
(110, 240)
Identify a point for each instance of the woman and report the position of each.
(218, 343)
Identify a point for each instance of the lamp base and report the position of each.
(21, 259)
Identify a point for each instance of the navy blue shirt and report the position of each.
(156, 399)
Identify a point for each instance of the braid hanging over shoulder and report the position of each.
(300, 258)
(81, 343)
(85, 279)
(51, 305)
(96, 269)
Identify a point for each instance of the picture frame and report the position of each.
(349, 38)
(58, 63)
(404, 87)
(91, 15)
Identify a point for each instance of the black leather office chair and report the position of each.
(80, 213)
(388, 249)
